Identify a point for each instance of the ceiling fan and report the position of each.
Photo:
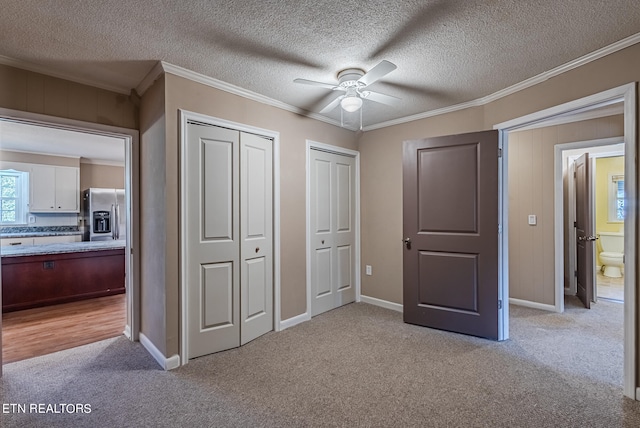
(353, 82)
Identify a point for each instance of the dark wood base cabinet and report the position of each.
(42, 280)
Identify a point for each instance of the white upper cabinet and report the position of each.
(54, 189)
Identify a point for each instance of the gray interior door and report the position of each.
(584, 232)
(450, 223)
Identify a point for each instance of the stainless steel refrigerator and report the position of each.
(104, 214)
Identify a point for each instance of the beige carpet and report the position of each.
(357, 366)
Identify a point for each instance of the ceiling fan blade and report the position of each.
(382, 98)
(377, 72)
(333, 104)
(314, 83)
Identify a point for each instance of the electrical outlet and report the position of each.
(31, 219)
(367, 269)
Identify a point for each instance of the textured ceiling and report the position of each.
(447, 52)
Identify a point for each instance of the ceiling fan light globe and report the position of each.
(351, 104)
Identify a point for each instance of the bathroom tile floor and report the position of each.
(609, 288)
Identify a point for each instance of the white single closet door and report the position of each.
(332, 185)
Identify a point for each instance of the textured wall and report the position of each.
(381, 152)
(531, 191)
(153, 223)
(36, 93)
(107, 176)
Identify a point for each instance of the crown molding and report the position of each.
(236, 90)
(165, 67)
(42, 69)
(590, 57)
(153, 75)
(104, 162)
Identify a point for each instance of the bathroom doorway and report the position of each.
(607, 211)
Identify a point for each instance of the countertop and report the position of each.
(68, 247)
(37, 234)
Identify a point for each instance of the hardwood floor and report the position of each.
(34, 332)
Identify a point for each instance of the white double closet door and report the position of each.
(229, 238)
(332, 230)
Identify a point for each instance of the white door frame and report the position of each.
(627, 94)
(132, 155)
(186, 116)
(559, 156)
(314, 145)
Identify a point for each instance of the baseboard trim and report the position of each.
(382, 303)
(170, 363)
(298, 319)
(534, 305)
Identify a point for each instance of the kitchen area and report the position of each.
(47, 265)
(63, 221)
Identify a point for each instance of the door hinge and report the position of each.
(574, 174)
(499, 229)
(499, 152)
(499, 304)
(575, 224)
(575, 273)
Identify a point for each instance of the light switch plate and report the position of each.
(31, 219)
(533, 220)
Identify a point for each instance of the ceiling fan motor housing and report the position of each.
(349, 78)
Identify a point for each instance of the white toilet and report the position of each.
(612, 254)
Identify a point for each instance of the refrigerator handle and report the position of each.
(114, 221)
(117, 228)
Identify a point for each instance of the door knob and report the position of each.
(407, 242)
(587, 238)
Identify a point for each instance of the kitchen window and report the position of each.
(13, 197)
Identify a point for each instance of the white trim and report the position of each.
(612, 110)
(131, 139)
(534, 305)
(503, 239)
(185, 116)
(626, 93)
(344, 152)
(170, 363)
(382, 303)
(600, 53)
(93, 161)
(244, 93)
(162, 66)
(38, 153)
(47, 71)
(153, 75)
(293, 321)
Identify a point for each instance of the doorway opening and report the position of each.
(99, 281)
(606, 163)
(625, 95)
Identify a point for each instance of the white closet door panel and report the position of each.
(344, 197)
(344, 267)
(256, 192)
(212, 239)
(257, 284)
(217, 188)
(256, 224)
(324, 272)
(217, 300)
(323, 196)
